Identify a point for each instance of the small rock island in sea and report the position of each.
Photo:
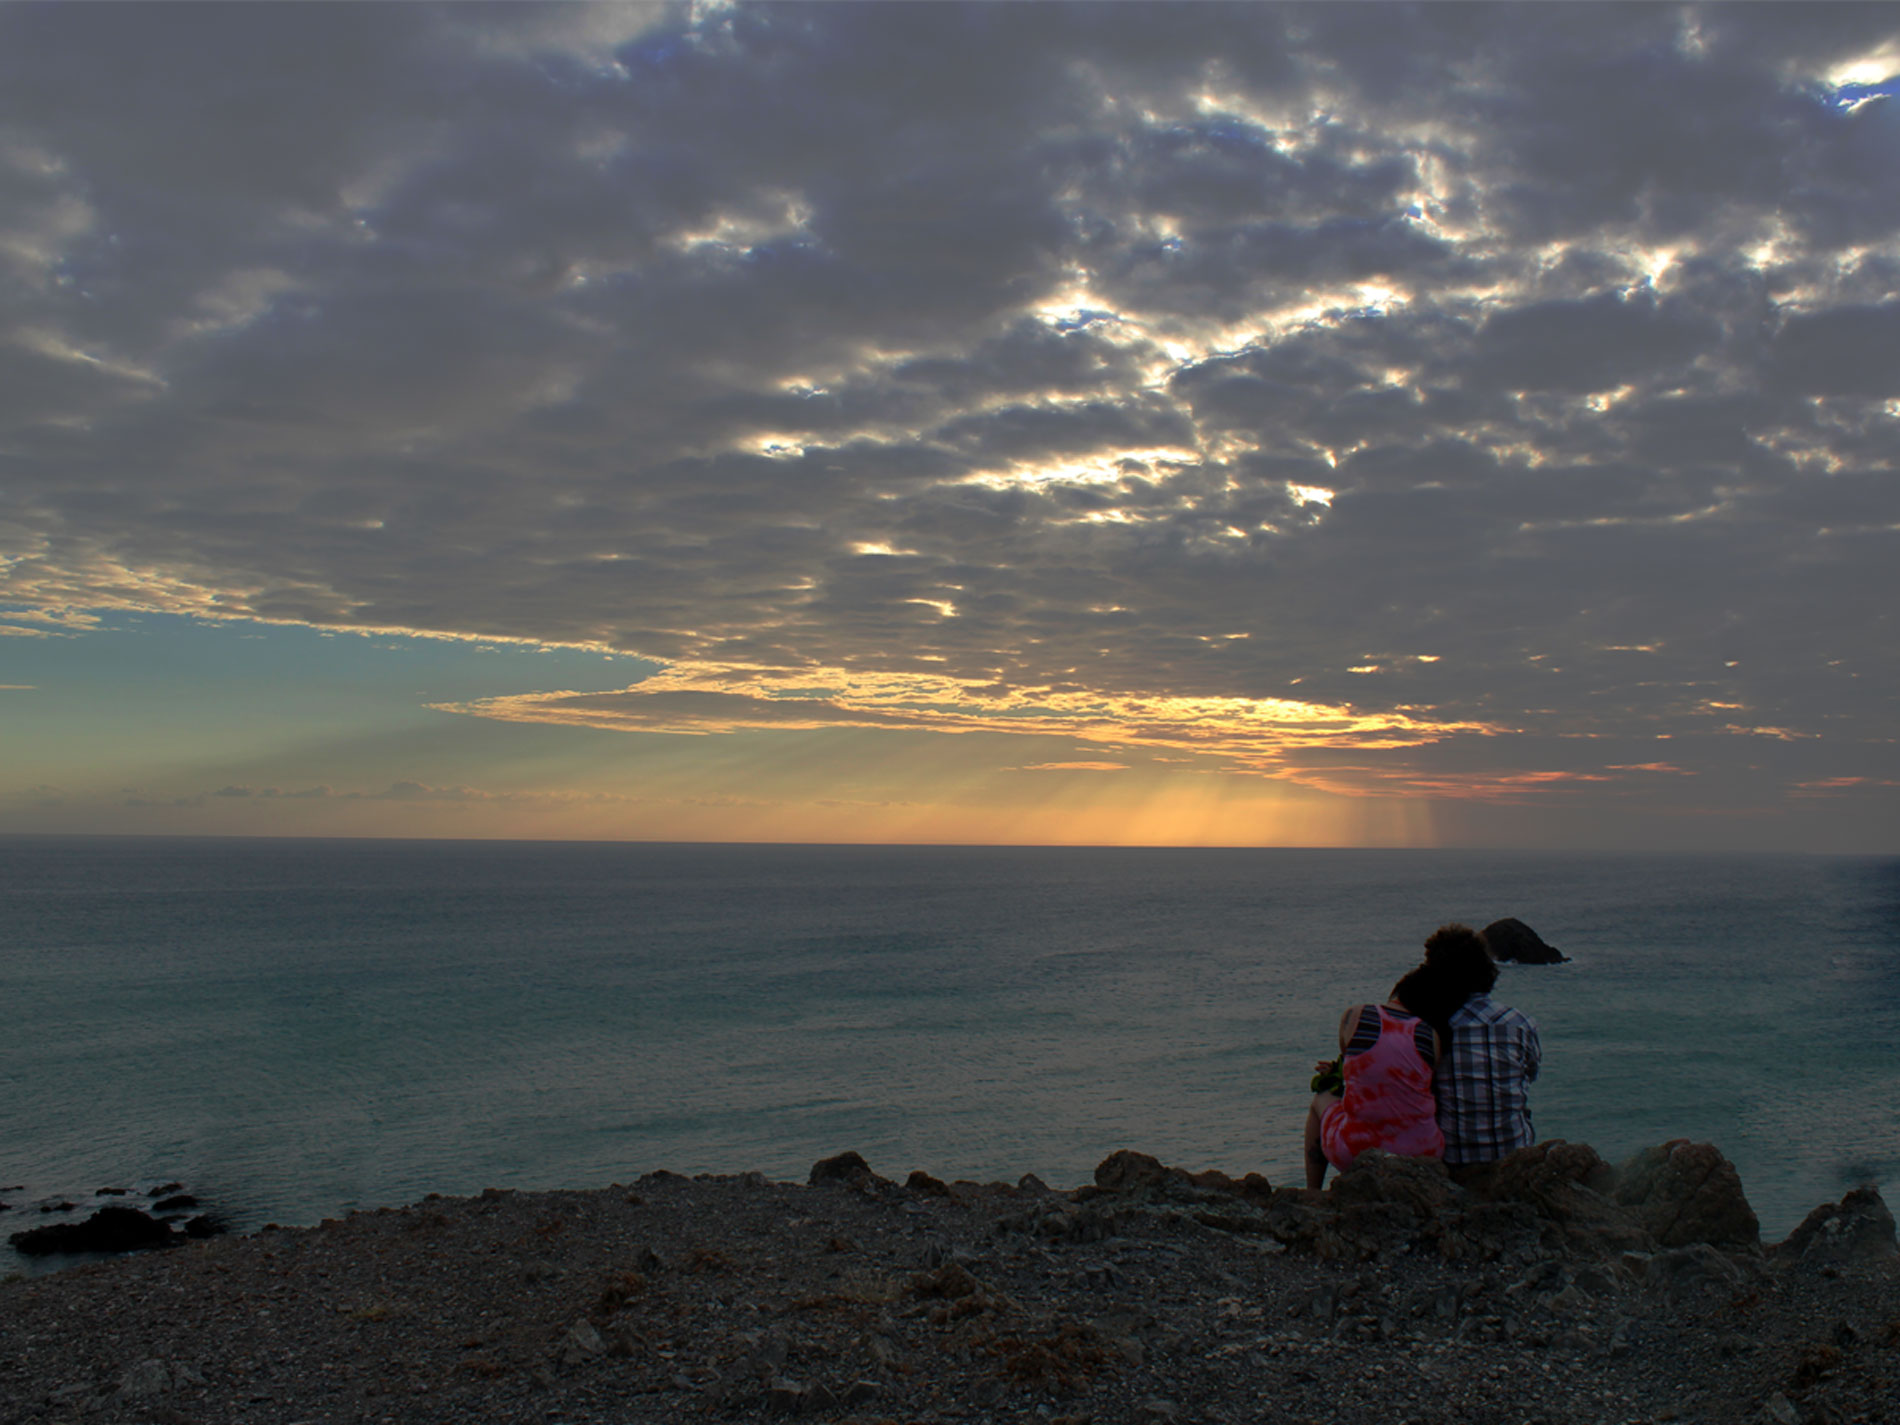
(1558, 1289)
(1511, 940)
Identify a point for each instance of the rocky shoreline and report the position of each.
(1554, 1289)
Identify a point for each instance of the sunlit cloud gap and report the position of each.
(1245, 734)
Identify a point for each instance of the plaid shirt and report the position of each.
(1482, 1107)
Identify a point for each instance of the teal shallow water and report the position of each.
(300, 1028)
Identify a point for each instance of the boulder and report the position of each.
(1488, 1232)
(1681, 1275)
(1545, 1170)
(1383, 1203)
(847, 1168)
(1141, 1176)
(1682, 1193)
(1363, 1231)
(1569, 1185)
(1857, 1228)
(1298, 1218)
(1512, 939)
(110, 1229)
(1128, 1171)
(1419, 1184)
(1255, 1188)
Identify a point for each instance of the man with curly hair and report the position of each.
(1492, 1054)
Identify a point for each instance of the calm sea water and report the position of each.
(299, 1028)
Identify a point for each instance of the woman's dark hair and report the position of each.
(1458, 953)
(1457, 966)
(1430, 994)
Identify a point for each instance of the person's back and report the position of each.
(1492, 1053)
(1385, 1101)
(1482, 1084)
(1387, 1097)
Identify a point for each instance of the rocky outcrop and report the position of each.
(1857, 1228)
(847, 1168)
(1128, 1172)
(1569, 1185)
(110, 1229)
(1511, 939)
(1553, 1198)
(116, 1228)
(1683, 1192)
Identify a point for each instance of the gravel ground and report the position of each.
(737, 1298)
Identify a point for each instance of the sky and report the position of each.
(1444, 425)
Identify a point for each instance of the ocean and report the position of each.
(296, 1029)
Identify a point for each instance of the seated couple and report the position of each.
(1437, 1071)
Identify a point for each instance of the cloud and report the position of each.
(1848, 351)
(410, 790)
(420, 792)
(1252, 737)
(1125, 373)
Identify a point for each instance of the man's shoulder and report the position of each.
(1482, 1009)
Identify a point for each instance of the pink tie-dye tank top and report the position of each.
(1388, 1102)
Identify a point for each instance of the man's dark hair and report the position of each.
(1458, 953)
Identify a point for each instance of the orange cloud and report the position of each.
(1245, 735)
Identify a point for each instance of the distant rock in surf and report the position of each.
(120, 1228)
(1512, 939)
(110, 1229)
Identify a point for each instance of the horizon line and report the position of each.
(951, 845)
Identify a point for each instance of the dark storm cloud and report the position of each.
(1495, 363)
(1849, 351)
